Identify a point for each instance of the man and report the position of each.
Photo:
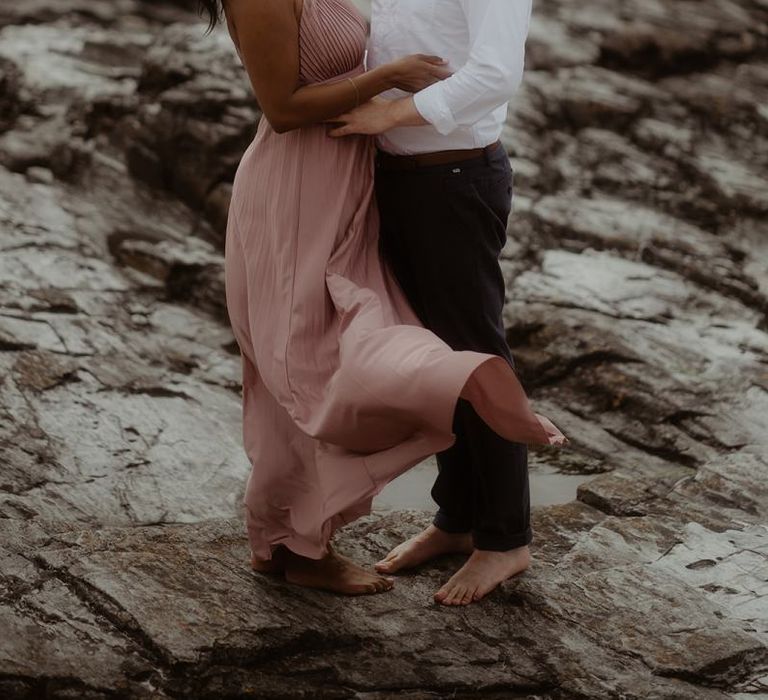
(443, 186)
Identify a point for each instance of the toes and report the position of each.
(390, 565)
(394, 554)
(378, 584)
(450, 599)
(383, 583)
(482, 591)
(457, 595)
(446, 594)
(440, 595)
(468, 594)
(387, 561)
(362, 586)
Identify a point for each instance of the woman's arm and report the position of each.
(268, 34)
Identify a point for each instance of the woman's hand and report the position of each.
(417, 71)
(376, 116)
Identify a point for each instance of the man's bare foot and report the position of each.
(334, 572)
(482, 572)
(426, 545)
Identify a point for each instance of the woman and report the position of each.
(343, 388)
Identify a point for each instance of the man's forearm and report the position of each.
(403, 112)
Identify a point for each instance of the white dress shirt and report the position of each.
(484, 43)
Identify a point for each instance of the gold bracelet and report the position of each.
(357, 92)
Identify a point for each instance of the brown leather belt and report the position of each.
(387, 161)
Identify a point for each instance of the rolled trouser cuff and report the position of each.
(451, 524)
(499, 542)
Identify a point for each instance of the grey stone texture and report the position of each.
(637, 271)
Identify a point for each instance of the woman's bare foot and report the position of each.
(275, 565)
(426, 545)
(334, 572)
(482, 572)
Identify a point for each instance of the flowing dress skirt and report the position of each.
(343, 388)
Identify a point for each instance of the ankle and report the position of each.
(521, 552)
(290, 558)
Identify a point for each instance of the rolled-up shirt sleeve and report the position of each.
(493, 72)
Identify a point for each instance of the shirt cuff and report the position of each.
(431, 105)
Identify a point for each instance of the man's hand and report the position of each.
(377, 116)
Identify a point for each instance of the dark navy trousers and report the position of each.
(442, 231)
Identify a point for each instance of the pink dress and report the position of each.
(343, 388)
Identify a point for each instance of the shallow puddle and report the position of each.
(412, 489)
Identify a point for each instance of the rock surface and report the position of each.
(637, 269)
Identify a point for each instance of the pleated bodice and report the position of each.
(332, 40)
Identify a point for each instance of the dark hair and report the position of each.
(212, 9)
